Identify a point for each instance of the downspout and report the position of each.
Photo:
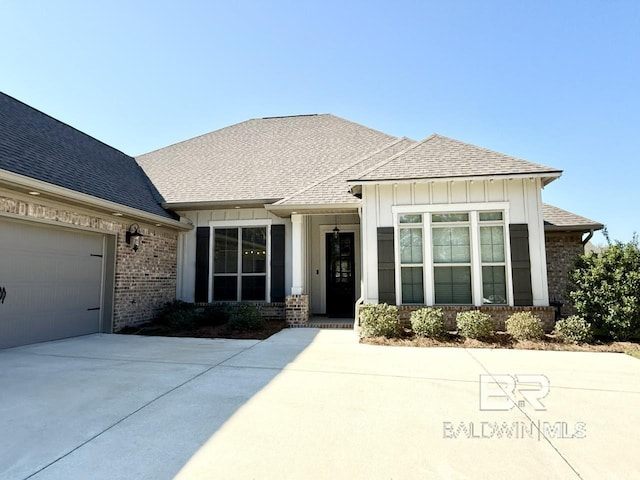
(589, 237)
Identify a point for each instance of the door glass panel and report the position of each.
(340, 300)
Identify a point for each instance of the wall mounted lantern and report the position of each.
(133, 235)
(336, 230)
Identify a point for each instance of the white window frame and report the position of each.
(472, 254)
(473, 209)
(411, 226)
(240, 224)
(494, 223)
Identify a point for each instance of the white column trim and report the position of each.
(297, 259)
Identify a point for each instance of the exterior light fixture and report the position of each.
(336, 230)
(133, 235)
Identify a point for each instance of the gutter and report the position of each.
(219, 204)
(83, 199)
(547, 178)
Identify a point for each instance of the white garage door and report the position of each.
(50, 283)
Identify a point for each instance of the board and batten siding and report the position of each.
(191, 288)
(523, 196)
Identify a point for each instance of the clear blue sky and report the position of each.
(553, 82)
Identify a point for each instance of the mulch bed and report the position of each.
(205, 331)
(504, 340)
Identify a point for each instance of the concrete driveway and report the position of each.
(310, 403)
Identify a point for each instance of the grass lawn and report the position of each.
(633, 353)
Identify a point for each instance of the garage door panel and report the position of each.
(25, 267)
(28, 298)
(53, 281)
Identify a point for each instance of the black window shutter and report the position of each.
(520, 264)
(386, 266)
(202, 264)
(277, 263)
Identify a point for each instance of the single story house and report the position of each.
(325, 214)
(303, 215)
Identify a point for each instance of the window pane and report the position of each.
(253, 287)
(254, 250)
(411, 245)
(410, 218)
(490, 216)
(451, 245)
(494, 285)
(225, 288)
(450, 217)
(412, 287)
(452, 285)
(492, 244)
(225, 250)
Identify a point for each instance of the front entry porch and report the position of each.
(326, 270)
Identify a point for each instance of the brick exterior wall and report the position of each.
(563, 248)
(144, 280)
(498, 314)
(297, 310)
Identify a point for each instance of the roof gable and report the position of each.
(268, 158)
(38, 146)
(441, 157)
(333, 188)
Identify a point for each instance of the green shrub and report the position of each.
(213, 315)
(379, 320)
(524, 326)
(474, 324)
(428, 322)
(178, 315)
(573, 329)
(244, 318)
(606, 290)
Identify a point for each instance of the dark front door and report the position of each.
(341, 280)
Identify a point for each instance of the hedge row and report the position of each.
(382, 320)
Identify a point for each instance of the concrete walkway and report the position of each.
(309, 403)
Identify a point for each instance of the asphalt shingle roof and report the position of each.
(38, 146)
(267, 158)
(441, 157)
(333, 189)
(558, 219)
